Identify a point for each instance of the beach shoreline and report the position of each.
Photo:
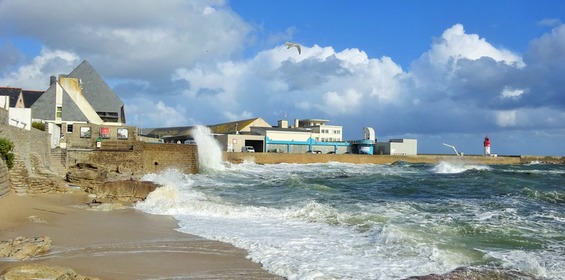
(112, 241)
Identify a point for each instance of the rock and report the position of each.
(24, 248)
(477, 273)
(86, 165)
(84, 173)
(124, 190)
(37, 220)
(39, 271)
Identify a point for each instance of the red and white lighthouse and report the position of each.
(486, 144)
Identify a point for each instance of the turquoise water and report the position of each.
(347, 221)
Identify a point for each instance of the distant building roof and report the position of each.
(30, 96)
(237, 126)
(222, 128)
(13, 93)
(168, 131)
(312, 122)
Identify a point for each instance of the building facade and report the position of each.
(80, 104)
(404, 147)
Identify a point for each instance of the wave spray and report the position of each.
(209, 150)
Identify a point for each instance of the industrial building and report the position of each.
(403, 147)
(302, 136)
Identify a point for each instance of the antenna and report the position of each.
(453, 147)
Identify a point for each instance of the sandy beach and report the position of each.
(122, 243)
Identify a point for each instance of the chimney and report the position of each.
(52, 80)
(296, 123)
(283, 124)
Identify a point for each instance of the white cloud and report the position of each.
(335, 103)
(35, 74)
(552, 22)
(241, 116)
(208, 10)
(508, 92)
(117, 42)
(455, 44)
(168, 115)
(506, 118)
(319, 81)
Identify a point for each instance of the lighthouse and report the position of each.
(486, 144)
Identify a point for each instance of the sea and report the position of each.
(368, 221)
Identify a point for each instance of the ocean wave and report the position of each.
(556, 197)
(444, 167)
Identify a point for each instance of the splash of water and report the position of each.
(209, 151)
(453, 167)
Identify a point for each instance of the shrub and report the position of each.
(38, 125)
(6, 147)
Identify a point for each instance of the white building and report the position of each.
(397, 147)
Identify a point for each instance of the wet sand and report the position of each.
(118, 244)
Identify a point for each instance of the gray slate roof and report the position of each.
(100, 96)
(30, 96)
(13, 93)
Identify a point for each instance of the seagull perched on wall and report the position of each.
(296, 45)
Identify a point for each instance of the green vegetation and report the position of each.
(6, 147)
(38, 125)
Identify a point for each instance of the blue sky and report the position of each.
(438, 71)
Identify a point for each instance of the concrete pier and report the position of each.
(274, 158)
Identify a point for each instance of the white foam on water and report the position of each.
(314, 240)
(445, 167)
(534, 263)
(297, 249)
(104, 207)
(298, 242)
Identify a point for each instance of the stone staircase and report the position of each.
(58, 158)
(41, 180)
(19, 176)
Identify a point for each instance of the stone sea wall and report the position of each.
(141, 159)
(4, 179)
(26, 143)
(274, 158)
(159, 157)
(4, 175)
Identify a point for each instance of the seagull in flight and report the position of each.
(296, 45)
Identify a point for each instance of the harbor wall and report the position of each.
(141, 158)
(274, 158)
(4, 179)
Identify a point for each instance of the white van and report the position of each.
(247, 149)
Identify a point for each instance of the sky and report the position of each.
(439, 71)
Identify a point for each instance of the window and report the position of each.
(59, 111)
(70, 128)
(85, 132)
(122, 133)
(105, 132)
(108, 116)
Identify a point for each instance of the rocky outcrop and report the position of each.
(86, 174)
(109, 185)
(23, 248)
(39, 271)
(123, 190)
(477, 273)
